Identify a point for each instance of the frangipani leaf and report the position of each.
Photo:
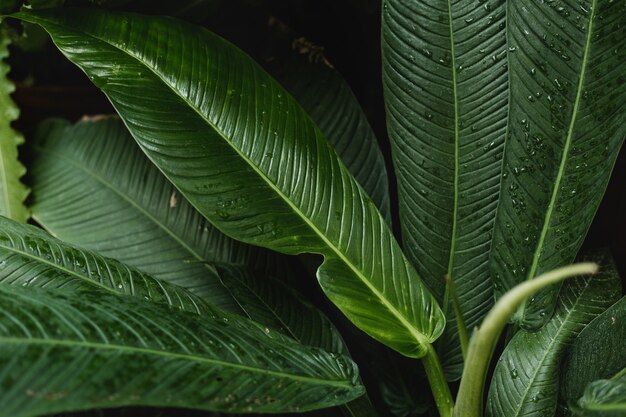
(445, 78)
(94, 349)
(249, 159)
(525, 381)
(566, 126)
(12, 191)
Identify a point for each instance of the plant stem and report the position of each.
(460, 323)
(438, 383)
(484, 340)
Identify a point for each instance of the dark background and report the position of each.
(349, 30)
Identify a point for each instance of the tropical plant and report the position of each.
(155, 270)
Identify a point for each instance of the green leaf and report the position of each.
(93, 187)
(566, 126)
(326, 97)
(249, 159)
(93, 349)
(597, 353)
(445, 83)
(525, 381)
(12, 191)
(603, 398)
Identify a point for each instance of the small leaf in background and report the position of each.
(93, 349)
(445, 79)
(566, 126)
(525, 381)
(597, 353)
(603, 398)
(243, 152)
(12, 191)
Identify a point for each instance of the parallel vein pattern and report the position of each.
(94, 187)
(94, 349)
(327, 98)
(566, 126)
(250, 160)
(526, 378)
(12, 191)
(445, 82)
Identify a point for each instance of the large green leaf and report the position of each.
(566, 125)
(327, 98)
(525, 381)
(250, 160)
(446, 95)
(597, 353)
(603, 398)
(94, 349)
(12, 191)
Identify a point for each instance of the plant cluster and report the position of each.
(154, 271)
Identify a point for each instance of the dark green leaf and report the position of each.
(249, 159)
(94, 187)
(603, 398)
(597, 353)
(327, 98)
(446, 92)
(525, 381)
(566, 125)
(94, 349)
(12, 191)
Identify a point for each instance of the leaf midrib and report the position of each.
(564, 157)
(173, 355)
(422, 339)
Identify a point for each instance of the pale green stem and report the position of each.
(460, 323)
(438, 383)
(482, 345)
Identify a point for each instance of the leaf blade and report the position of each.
(446, 105)
(562, 147)
(114, 347)
(406, 321)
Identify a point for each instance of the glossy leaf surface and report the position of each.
(597, 353)
(566, 125)
(603, 398)
(12, 191)
(444, 72)
(327, 98)
(249, 159)
(525, 381)
(94, 349)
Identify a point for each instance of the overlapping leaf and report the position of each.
(525, 381)
(445, 78)
(95, 349)
(566, 125)
(597, 353)
(603, 398)
(12, 191)
(248, 158)
(327, 98)
(94, 187)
